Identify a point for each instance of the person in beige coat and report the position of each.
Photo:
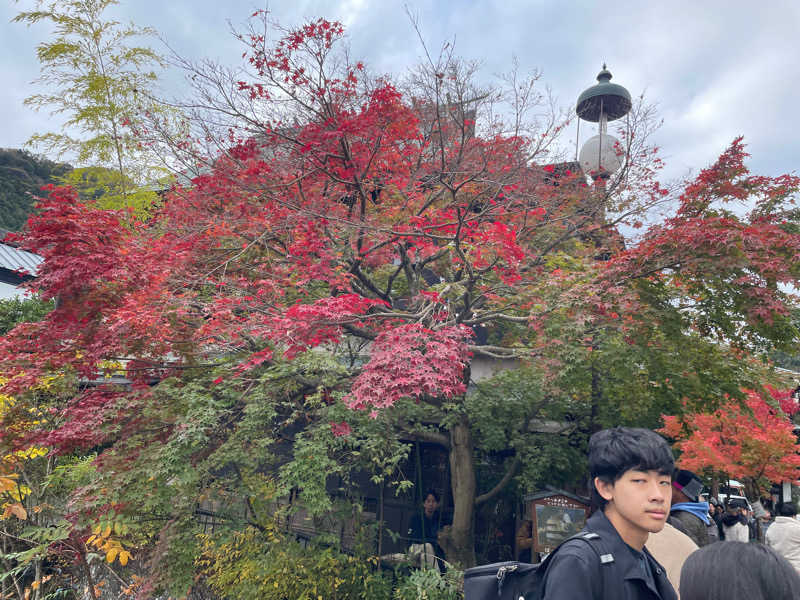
(671, 548)
(783, 535)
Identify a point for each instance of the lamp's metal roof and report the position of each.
(609, 98)
(19, 261)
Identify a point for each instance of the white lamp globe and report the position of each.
(600, 161)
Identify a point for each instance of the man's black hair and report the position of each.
(432, 492)
(787, 509)
(738, 571)
(613, 452)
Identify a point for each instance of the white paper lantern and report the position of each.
(601, 161)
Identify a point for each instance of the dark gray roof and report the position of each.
(555, 492)
(16, 260)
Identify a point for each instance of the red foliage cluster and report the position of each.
(412, 361)
(753, 441)
(342, 429)
(708, 251)
(83, 425)
(385, 218)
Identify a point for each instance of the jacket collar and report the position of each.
(600, 524)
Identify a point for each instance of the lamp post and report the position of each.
(601, 103)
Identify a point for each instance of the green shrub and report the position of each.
(266, 565)
(430, 584)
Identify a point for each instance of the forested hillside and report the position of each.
(22, 175)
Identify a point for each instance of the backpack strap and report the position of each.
(595, 541)
(606, 558)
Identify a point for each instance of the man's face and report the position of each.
(638, 504)
(430, 505)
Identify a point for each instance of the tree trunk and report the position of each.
(460, 546)
(715, 486)
(751, 489)
(87, 570)
(380, 518)
(38, 579)
(597, 392)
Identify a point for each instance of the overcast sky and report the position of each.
(716, 69)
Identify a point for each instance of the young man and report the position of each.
(423, 531)
(631, 477)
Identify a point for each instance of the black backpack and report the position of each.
(514, 580)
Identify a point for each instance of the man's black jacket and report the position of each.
(691, 525)
(575, 572)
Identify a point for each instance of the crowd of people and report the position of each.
(776, 540)
(655, 538)
(731, 519)
(734, 519)
(653, 535)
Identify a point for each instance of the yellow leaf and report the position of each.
(107, 531)
(7, 483)
(124, 556)
(112, 554)
(15, 509)
(96, 530)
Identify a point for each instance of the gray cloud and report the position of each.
(716, 69)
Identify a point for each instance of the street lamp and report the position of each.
(601, 156)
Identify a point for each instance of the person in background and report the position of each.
(752, 525)
(525, 541)
(423, 531)
(738, 571)
(688, 514)
(764, 521)
(734, 524)
(784, 534)
(712, 529)
(671, 547)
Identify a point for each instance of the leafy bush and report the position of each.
(265, 565)
(430, 584)
(21, 310)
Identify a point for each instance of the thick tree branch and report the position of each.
(512, 470)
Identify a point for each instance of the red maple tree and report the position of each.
(754, 441)
(387, 228)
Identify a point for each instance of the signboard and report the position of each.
(555, 518)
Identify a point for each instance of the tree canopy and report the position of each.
(102, 84)
(324, 293)
(754, 442)
(22, 176)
